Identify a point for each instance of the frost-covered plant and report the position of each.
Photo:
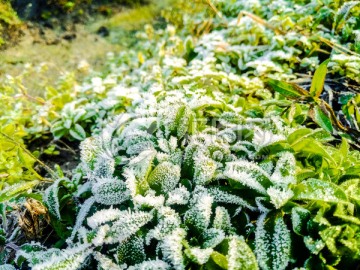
(205, 169)
(185, 183)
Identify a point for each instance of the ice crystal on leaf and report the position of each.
(198, 255)
(202, 153)
(164, 177)
(172, 249)
(240, 256)
(126, 225)
(272, 242)
(110, 191)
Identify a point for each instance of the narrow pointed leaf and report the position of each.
(288, 90)
(318, 80)
(322, 119)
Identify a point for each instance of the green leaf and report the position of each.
(313, 147)
(318, 190)
(352, 190)
(16, 189)
(78, 132)
(272, 242)
(329, 237)
(219, 259)
(318, 80)
(321, 118)
(240, 256)
(288, 90)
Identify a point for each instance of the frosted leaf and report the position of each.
(318, 190)
(267, 166)
(105, 263)
(240, 256)
(212, 237)
(218, 156)
(149, 200)
(164, 177)
(263, 138)
(222, 219)
(84, 210)
(299, 219)
(141, 165)
(172, 249)
(168, 221)
(103, 216)
(204, 168)
(127, 225)
(7, 267)
(35, 253)
(51, 198)
(133, 184)
(68, 259)
(130, 252)
(272, 242)
(104, 166)
(279, 196)
(174, 117)
(200, 213)
(110, 191)
(100, 236)
(284, 172)
(329, 236)
(221, 196)
(179, 195)
(90, 148)
(198, 255)
(164, 145)
(248, 174)
(315, 246)
(151, 265)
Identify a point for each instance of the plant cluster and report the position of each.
(201, 156)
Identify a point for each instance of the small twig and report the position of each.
(214, 8)
(337, 46)
(46, 167)
(260, 21)
(67, 147)
(23, 92)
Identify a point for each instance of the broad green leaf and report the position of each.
(313, 147)
(219, 259)
(321, 118)
(318, 190)
(16, 189)
(299, 219)
(288, 90)
(78, 132)
(302, 133)
(240, 256)
(329, 236)
(272, 242)
(318, 80)
(352, 190)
